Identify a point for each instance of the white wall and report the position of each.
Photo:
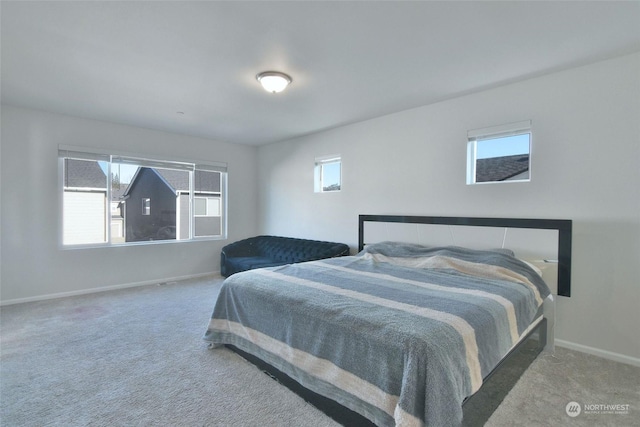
(585, 167)
(33, 263)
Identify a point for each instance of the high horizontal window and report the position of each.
(115, 199)
(328, 171)
(499, 154)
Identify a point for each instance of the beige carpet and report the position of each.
(541, 396)
(135, 357)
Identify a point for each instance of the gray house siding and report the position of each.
(169, 216)
(160, 224)
(183, 205)
(208, 226)
(84, 202)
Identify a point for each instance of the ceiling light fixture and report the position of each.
(273, 81)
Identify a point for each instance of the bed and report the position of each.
(400, 333)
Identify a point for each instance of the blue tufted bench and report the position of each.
(269, 251)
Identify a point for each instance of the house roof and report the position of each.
(178, 181)
(117, 193)
(501, 168)
(84, 174)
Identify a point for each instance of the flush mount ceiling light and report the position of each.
(273, 81)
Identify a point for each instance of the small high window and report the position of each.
(499, 154)
(328, 171)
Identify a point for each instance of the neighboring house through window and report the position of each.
(84, 199)
(150, 200)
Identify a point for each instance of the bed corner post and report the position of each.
(361, 219)
(549, 313)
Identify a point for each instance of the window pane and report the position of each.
(163, 191)
(208, 220)
(84, 202)
(200, 206)
(146, 206)
(499, 153)
(149, 199)
(331, 176)
(207, 182)
(121, 176)
(327, 175)
(503, 159)
(213, 206)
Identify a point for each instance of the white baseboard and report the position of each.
(616, 357)
(104, 288)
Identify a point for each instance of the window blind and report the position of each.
(500, 131)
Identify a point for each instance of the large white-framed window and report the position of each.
(119, 199)
(328, 174)
(499, 154)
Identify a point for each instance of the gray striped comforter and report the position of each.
(401, 334)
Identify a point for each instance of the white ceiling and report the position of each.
(140, 63)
